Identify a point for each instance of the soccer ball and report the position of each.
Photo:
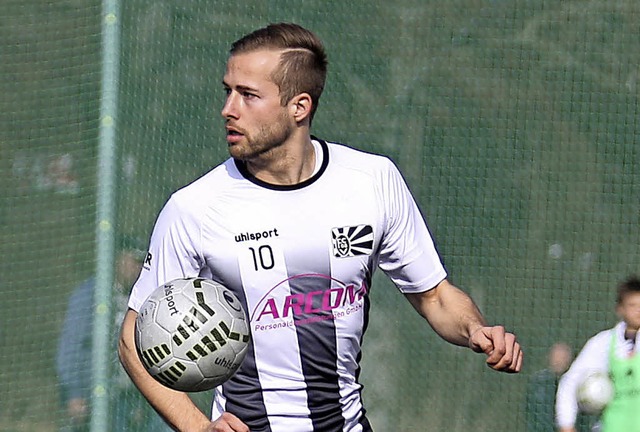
(595, 392)
(192, 334)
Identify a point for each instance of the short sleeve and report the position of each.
(173, 250)
(408, 254)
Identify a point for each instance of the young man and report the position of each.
(296, 226)
(612, 351)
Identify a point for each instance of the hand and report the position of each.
(502, 350)
(227, 422)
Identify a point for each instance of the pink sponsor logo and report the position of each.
(337, 296)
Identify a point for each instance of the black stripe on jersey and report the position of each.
(242, 167)
(244, 398)
(364, 421)
(242, 390)
(318, 348)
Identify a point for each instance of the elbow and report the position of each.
(126, 343)
(124, 350)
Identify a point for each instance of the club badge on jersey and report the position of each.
(352, 241)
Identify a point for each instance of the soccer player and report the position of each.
(612, 351)
(296, 226)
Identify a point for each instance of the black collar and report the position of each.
(242, 167)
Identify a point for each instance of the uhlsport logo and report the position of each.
(352, 241)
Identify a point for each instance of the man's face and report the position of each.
(629, 310)
(255, 121)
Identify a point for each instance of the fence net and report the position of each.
(514, 122)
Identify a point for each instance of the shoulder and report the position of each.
(187, 205)
(353, 162)
(602, 336)
(203, 192)
(209, 184)
(343, 154)
(598, 344)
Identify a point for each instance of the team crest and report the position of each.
(352, 241)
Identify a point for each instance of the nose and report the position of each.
(229, 109)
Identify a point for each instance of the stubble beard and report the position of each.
(265, 142)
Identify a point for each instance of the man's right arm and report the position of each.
(175, 407)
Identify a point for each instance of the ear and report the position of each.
(300, 107)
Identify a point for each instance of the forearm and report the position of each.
(456, 318)
(451, 312)
(175, 407)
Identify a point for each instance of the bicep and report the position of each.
(426, 301)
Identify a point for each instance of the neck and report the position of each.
(288, 164)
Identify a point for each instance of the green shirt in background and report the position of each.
(623, 412)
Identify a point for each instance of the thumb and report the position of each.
(480, 342)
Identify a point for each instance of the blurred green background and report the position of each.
(514, 122)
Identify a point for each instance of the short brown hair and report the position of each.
(628, 286)
(303, 63)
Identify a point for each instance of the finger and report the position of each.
(235, 423)
(513, 363)
(479, 342)
(499, 345)
(228, 422)
(519, 362)
(516, 366)
(505, 359)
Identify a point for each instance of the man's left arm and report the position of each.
(456, 318)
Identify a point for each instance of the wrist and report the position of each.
(472, 332)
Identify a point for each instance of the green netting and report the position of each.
(514, 122)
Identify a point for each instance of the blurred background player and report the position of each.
(542, 388)
(614, 352)
(129, 410)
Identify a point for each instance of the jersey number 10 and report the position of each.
(262, 258)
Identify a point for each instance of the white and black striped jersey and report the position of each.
(301, 259)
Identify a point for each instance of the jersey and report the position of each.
(301, 259)
(621, 414)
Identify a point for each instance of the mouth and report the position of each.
(233, 135)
